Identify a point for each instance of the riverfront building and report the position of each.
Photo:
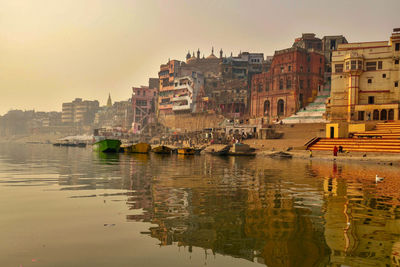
(365, 81)
(143, 106)
(294, 79)
(187, 93)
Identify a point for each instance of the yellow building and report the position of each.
(365, 81)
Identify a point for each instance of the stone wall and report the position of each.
(191, 122)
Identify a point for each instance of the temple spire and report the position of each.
(109, 102)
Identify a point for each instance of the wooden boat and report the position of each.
(162, 150)
(143, 148)
(186, 151)
(107, 146)
(222, 152)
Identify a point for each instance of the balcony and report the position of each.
(182, 107)
(181, 98)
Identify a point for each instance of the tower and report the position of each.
(188, 55)
(198, 53)
(220, 53)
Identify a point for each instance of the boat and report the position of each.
(107, 146)
(143, 148)
(186, 151)
(222, 152)
(240, 149)
(162, 150)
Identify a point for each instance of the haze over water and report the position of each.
(73, 207)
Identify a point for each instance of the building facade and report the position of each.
(294, 79)
(167, 74)
(365, 81)
(188, 93)
(143, 106)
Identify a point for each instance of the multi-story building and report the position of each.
(231, 97)
(294, 79)
(143, 106)
(79, 111)
(242, 66)
(167, 74)
(188, 91)
(365, 81)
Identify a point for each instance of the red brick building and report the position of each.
(292, 82)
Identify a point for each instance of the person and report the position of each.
(341, 149)
(335, 150)
(310, 153)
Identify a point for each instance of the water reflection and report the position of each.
(277, 213)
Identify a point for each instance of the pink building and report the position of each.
(143, 107)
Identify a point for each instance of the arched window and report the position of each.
(267, 107)
(281, 107)
(375, 116)
(391, 114)
(383, 115)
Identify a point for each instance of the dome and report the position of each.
(212, 56)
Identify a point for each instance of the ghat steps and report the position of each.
(313, 112)
(357, 145)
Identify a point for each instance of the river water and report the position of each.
(73, 207)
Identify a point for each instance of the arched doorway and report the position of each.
(267, 107)
(281, 107)
(391, 114)
(383, 115)
(375, 116)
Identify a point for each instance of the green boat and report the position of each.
(107, 146)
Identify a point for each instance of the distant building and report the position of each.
(294, 79)
(231, 97)
(365, 81)
(79, 111)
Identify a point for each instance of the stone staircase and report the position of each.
(382, 130)
(356, 145)
(313, 112)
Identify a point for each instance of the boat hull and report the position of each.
(162, 150)
(142, 148)
(107, 146)
(186, 151)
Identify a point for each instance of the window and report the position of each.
(308, 69)
(338, 68)
(353, 64)
(396, 84)
(371, 100)
(267, 87)
(320, 60)
(384, 75)
(379, 65)
(396, 62)
(397, 47)
(290, 67)
(360, 65)
(301, 84)
(259, 87)
(371, 66)
(288, 83)
(308, 58)
(280, 84)
(369, 80)
(320, 70)
(308, 84)
(301, 68)
(282, 69)
(347, 65)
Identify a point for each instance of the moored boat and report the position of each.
(107, 146)
(162, 150)
(143, 148)
(186, 151)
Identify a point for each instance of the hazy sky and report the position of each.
(52, 51)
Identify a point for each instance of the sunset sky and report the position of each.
(52, 51)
